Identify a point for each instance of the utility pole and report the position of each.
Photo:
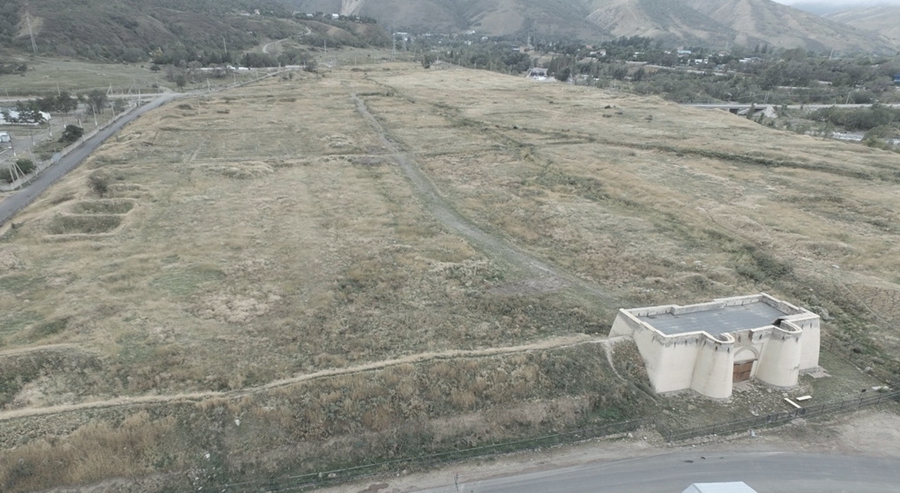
(225, 46)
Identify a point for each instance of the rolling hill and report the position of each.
(129, 29)
(884, 20)
(563, 18)
(717, 23)
(704, 22)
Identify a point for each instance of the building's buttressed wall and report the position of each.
(704, 363)
(779, 363)
(713, 372)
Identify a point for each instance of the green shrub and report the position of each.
(71, 134)
(99, 184)
(25, 165)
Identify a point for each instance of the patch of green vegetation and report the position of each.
(12, 323)
(583, 186)
(17, 283)
(185, 282)
(103, 207)
(94, 224)
(761, 266)
(47, 329)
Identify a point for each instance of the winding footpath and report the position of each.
(554, 343)
(549, 277)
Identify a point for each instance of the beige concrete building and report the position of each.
(709, 346)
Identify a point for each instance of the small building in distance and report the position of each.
(710, 346)
(537, 73)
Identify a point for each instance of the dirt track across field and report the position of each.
(544, 275)
(555, 343)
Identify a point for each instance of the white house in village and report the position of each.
(14, 117)
(709, 346)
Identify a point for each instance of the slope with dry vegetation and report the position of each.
(320, 270)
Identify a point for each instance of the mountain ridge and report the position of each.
(883, 19)
(704, 22)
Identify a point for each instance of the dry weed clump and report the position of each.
(93, 452)
(20, 370)
(324, 422)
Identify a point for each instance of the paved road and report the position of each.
(766, 472)
(14, 203)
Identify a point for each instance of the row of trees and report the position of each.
(31, 111)
(859, 118)
(13, 68)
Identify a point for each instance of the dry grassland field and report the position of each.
(384, 261)
(46, 76)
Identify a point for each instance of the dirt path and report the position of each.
(265, 48)
(545, 277)
(555, 343)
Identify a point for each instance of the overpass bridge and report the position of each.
(738, 107)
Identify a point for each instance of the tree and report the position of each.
(97, 100)
(564, 74)
(47, 104)
(65, 103)
(638, 75)
(28, 113)
(71, 134)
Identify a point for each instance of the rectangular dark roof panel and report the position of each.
(716, 321)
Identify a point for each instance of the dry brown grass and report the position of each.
(266, 232)
(94, 452)
(688, 205)
(401, 410)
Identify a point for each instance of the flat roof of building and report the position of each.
(736, 487)
(716, 321)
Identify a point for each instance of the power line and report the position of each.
(30, 31)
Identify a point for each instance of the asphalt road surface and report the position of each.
(16, 202)
(766, 472)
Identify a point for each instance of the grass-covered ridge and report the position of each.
(206, 31)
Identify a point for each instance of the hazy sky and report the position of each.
(842, 2)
